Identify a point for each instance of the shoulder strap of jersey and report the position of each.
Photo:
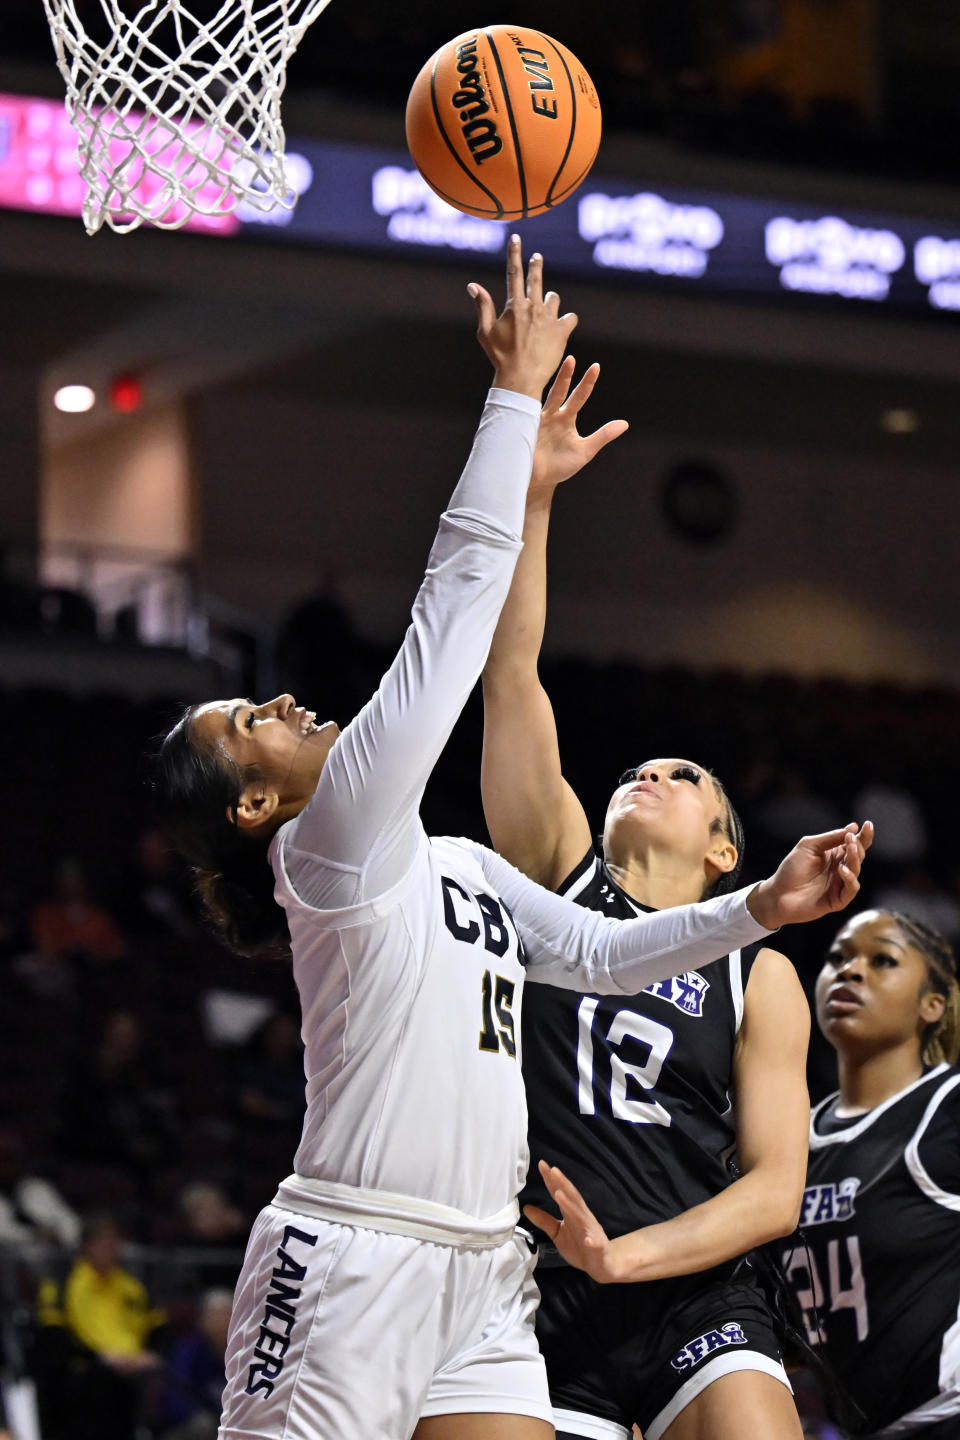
(922, 1178)
(735, 966)
(741, 964)
(581, 875)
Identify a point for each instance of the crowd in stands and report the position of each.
(151, 1084)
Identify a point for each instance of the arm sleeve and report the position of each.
(579, 949)
(358, 836)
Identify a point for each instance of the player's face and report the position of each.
(673, 804)
(872, 992)
(280, 740)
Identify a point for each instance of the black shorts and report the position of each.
(623, 1354)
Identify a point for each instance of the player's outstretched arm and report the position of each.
(533, 815)
(772, 1121)
(369, 792)
(579, 949)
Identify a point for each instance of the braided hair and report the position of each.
(941, 1041)
(733, 829)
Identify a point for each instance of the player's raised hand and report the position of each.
(578, 1234)
(526, 341)
(820, 875)
(561, 449)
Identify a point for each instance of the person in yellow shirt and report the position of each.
(106, 1307)
(93, 1349)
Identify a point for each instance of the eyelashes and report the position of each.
(682, 772)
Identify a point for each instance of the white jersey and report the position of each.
(410, 954)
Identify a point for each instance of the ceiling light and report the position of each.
(74, 399)
(900, 421)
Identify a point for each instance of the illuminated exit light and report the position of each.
(126, 393)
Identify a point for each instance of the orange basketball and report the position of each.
(503, 122)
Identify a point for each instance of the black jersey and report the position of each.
(881, 1217)
(631, 1095)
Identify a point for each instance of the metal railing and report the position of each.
(141, 596)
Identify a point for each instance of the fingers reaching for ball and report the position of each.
(526, 341)
(535, 278)
(561, 450)
(515, 286)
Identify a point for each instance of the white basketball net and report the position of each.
(165, 137)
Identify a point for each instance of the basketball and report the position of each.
(503, 122)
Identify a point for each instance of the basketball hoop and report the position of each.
(177, 116)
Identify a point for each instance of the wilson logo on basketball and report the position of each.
(470, 99)
(537, 67)
(503, 123)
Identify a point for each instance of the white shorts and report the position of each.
(339, 1331)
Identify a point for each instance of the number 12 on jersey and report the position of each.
(626, 1024)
